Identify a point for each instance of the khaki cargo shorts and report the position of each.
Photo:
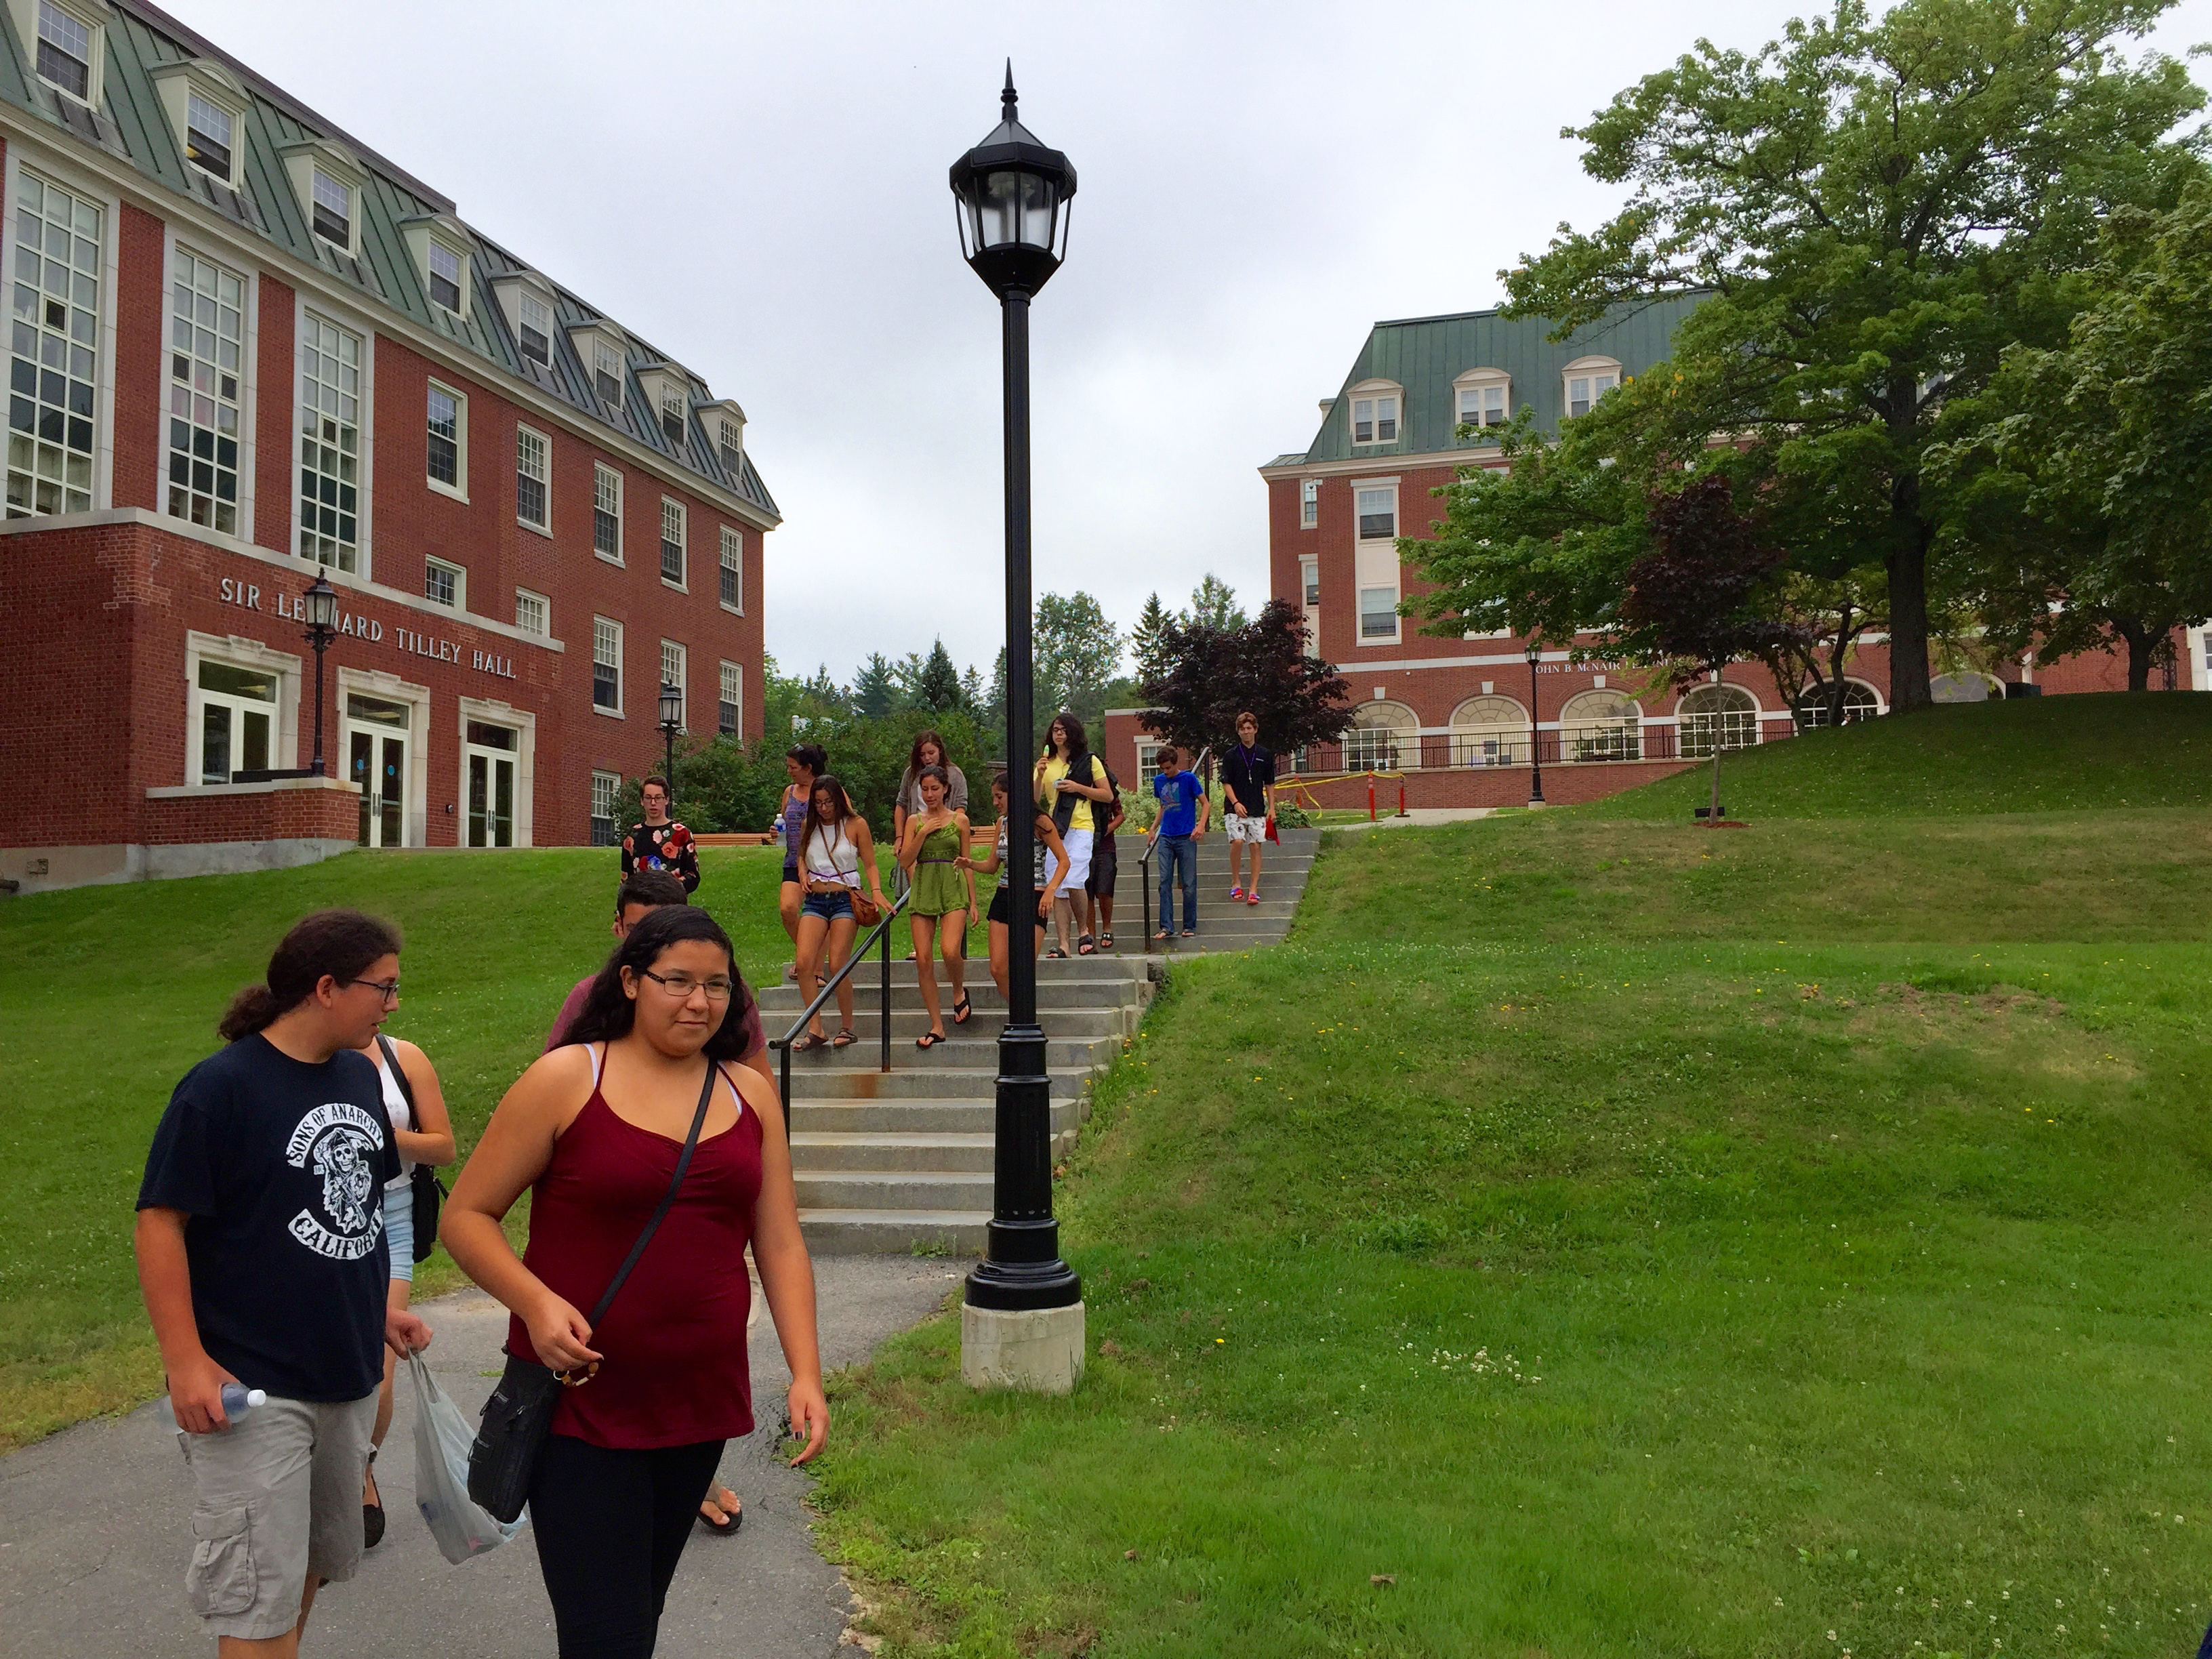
(275, 1497)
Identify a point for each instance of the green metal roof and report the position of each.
(1427, 354)
(132, 126)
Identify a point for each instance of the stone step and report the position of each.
(896, 1190)
(1063, 1055)
(977, 1117)
(784, 999)
(895, 1232)
(879, 1152)
(910, 1082)
(909, 1020)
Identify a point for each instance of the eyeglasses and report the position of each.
(388, 989)
(681, 986)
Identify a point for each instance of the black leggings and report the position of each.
(611, 1527)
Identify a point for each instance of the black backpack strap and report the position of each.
(399, 1072)
(667, 1200)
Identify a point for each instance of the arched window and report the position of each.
(1966, 686)
(1861, 702)
(1376, 409)
(1725, 714)
(1383, 736)
(1482, 397)
(1489, 731)
(1601, 725)
(1585, 380)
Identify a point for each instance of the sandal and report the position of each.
(1163, 934)
(844, 1039)
(1252, 898)
(929, 1039)
(1190, 933)
(1105, 941)
(733, 1516)
(1086, 946)
(961, 1011)
(810, 1042)
(371, 1515)
(1056, 954)
(1235, 893)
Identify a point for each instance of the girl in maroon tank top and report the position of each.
(594, 1132)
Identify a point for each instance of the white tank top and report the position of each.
(832, 858)
(396, 1108)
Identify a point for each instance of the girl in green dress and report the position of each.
(935, 843)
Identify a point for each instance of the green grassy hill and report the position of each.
(1595, 1237)
(2023, 755)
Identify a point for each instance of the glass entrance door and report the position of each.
(376, 760)
(490, 751)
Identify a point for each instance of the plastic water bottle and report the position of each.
(237, 1401)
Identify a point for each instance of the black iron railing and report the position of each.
(880, 936)
(1598, 744)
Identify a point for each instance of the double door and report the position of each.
(377, 738)
(490, 754)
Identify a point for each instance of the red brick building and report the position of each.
(1460, 717)
(247, 349)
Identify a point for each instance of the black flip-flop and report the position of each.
(929, 1039)
(1105, 941)
(1055, 955)
(844, 1039)
(371, 1515)
(1086, 946)
(962, 1011)
(727, 1527)
(810, 1042)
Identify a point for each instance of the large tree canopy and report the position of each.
(1209, 673)
(1877, 208)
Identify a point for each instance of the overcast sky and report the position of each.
(760, 191)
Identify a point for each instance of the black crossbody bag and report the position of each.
(520, 1414)
(424, 1187)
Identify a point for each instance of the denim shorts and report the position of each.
(830, 906)
(399, 1228)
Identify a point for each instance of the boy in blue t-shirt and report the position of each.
(1183, 812)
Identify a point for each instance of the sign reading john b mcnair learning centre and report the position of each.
(248, 595)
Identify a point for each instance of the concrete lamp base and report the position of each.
(1039, 1351)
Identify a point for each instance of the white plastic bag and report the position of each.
(442, 1438)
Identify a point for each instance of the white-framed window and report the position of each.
(1587, 380)
(233, 719)
(671, 542)
(1489, 731)
(330, 443)
(446, 463)
(672, 413)
(1483, 396)
(447, 269)
(731, 708)
(53, 378)
(733, 569)
(1375, 420)
(1968, 686)
(333, 210)
(533, 503)
(606, 513)
(673, 660)
(1722, 712)
(1309, 581)
(445, 583)
(1310, 504)
(209, 135)
(534, 329)
(732, 445)
(206, 327)
(69, 48)
(607, 372)
(1378, 613)
(1377, 506)
(1384, 737)
(1861, 702)
(1601, 725)
(605, 786)
(606, 665)
(533, 612)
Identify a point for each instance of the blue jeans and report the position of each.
(1178, 861)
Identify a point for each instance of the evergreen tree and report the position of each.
(972, 696)
(875, 688)
(1148, 637)
(937, 684)
(1213, 604)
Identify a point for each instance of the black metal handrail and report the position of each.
(882, 932)
(1144, 859)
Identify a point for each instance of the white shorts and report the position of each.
(1078, 842)
(1244, 829)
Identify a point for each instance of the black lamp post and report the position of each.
(1011, 193)
(320, 604)
(671, 722)
(1535, 734)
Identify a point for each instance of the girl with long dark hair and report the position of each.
(1069, 781)
(837, 856)
(594, 1131)
(1044, 838)
(263, 1259)
(803, 762)
(928, 750)
(935, 841)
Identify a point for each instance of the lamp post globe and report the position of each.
(1021, 1324)
(319, 606)
(1536, 731)
(671, 722)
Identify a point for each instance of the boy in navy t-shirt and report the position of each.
(1184, 810)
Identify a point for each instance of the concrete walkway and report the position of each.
(94, 1537)
(1414, 817)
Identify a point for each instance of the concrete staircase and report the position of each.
(890, 1162)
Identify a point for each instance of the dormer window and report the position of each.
(1588, 379)
(445, 276)
(333, 210)
(1374, 420)
(732, 445)
(440, 244)
(207, 129)
(65, 50)
(534, 332)
(1482, 397)
(672, 413)
(607, 373)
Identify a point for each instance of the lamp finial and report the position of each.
(1010, 99)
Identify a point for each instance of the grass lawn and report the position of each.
(109, 994)
(1593, 1237)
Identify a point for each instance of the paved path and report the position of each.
(93, 1538)
(1415, 818)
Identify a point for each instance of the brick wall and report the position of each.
(141, 361)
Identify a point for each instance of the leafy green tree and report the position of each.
(1213, 604)
(1075, 653)
(1212, 673)
(1876, 207)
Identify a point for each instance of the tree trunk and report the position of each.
(2142, 648)
(1713, 817)
(1908, 600)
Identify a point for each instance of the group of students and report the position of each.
(275, 1244)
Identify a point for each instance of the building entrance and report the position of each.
(490, 752)
(376, 760)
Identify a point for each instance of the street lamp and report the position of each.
(1022, 1321)
(320, 604)
(1536, 740)
(671, 722)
